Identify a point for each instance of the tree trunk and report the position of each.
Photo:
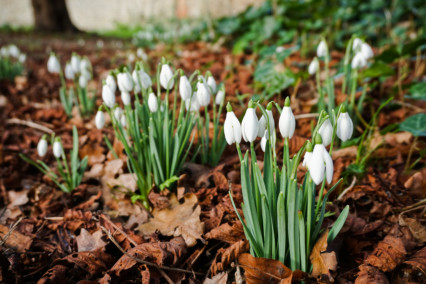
(52, 16)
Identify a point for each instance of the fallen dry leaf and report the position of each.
(388, 254)
(322, 261)
(177, 220)
(418, 261)
(370, 275)
(226, 256)
(416, 228)
(264, 270)
(15, 240)
(220, 278)
(89, 242)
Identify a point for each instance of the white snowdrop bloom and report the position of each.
(345, 126)
(367, 51)
(192, 104)
(279, 49)
(232, 127)
(287, 122)
(125, 98)
(110, 81)
(250, 124)
(42, 147)
(262, 123)
(85, 65)
(131, 58)
(212, 84)
(53, 65)
(108, 96)
(141, 80)
(14, 51)
(306, 159)
(320, 163)
(22, 58)
(166, 77)
(220, 96)
(100, 119)
(4, 51)
(141, 54)
(69, 74)
(203, 93)
(322, 49)
(359, 61)
(313, 66)
(356, 44)
(326, 132)
(125, 82)
(123, 120)
(82, 81)
(75, 63)
(265, 138)
(118, 112)
(152, 102)
(57, 149)
(185, 89)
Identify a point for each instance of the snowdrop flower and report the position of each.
(110, 81)
(320, 163)
(118, 112)
(125, 82)
(345, 126)
(265, 138)
(185, 89)
(125, 98)
(82, 81)
(108, 96)
(57, 148)
(4, 51)
(203, 93)
(152, 102)
(69, 74)
(262, 121)
(366, 51)
(141, 80)
(308, 154)
(141, 54)
(356, 44)
(100, 119)
(53, 65)
(42, 146)
(220, 96)
(86, 73)
(85, 64)
(313, 66)
(192, 104)
(123, 120)
(212, 84)
(359, 61)
(326, 132)
(14, 51)
(22, 57)
(166, 77)
(75, 63)
(232, 127)
(250, 124)
(322, 49)
(131, 58)
(287, 122)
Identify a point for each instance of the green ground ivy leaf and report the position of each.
(418, 91)
(415, 124)
(378, 69)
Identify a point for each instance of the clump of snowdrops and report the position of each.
(70, 173)
(282, 218)
(78, 71)
(11, 62)
(155, 129)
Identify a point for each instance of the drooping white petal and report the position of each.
(328, 166)
(322, 49)
(110, 81)
(42, 147)
(82, 81)
(75, 63)
(250, 125)
(203, 94)
(100, 119)
(69, 74)
(220, 96)
(166, 77)
(287, 122)
(232, 128)
(316, 164)
(306, 159)
(125, 98)
(192, 104)
(125, 82)
(356, 44)
(313, 67)
(53, 65)
(108, 96)
(118, 112)
(326, 132)
(262, 127)
(359, 61)
(344, 127)
(185, 89)
(366, 50)
(57, 149)
(152, 102)
(212, 84)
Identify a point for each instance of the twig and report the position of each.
(118, 229)
(306, 115)
(347, 189)
(29, 124)
(144, 261)
(3, 240)
(417, 204)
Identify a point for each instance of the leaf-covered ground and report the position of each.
(192, 235)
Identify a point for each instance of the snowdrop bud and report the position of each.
(322, 49)
(53, 65)
(152, 102)
(82, 81)
(110, 81)
(212, 84)
(320, 162)
(85, 65)
(125, 82)
(100, 119)
(366, 50)
(265, 138)
(356, 44)
(75, 63)
(42, 146)
(118, 112)
(345, 125)
(359, 61)
(287, 122)
(220, 96)
(141, 54)
(185, 88)
(108, 96)
(22, 58)
(123, 120)
(14, 51)
(141, 80)
(125, 98)
(308, 154)
(262, 122)
(57, 148)
(69, 74)
(250, 124)
(203, 93)
(313, 66)
(192, 104)
(232, 127)
(131, 58)
(326, 132)
(166, 77)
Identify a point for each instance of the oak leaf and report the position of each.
(321, 260)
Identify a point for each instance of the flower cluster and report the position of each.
(11, 61)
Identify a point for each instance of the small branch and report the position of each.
(306, 115)
(118, 229)
(347, 189)
(415, 205)
(29, 124)
(3, 240)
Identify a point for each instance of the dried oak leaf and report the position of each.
(418, 261)
(15, 239)
(225, 256)
(220, 278)
(388, 254)
(370, 275)
(89, 242)
(416, 228)
(160, 253)
(177, 220)
(94, 154)
(264, 270)
(322, 261)
(227, 233)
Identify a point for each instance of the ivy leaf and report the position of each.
(418, 91)
(415, 124)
